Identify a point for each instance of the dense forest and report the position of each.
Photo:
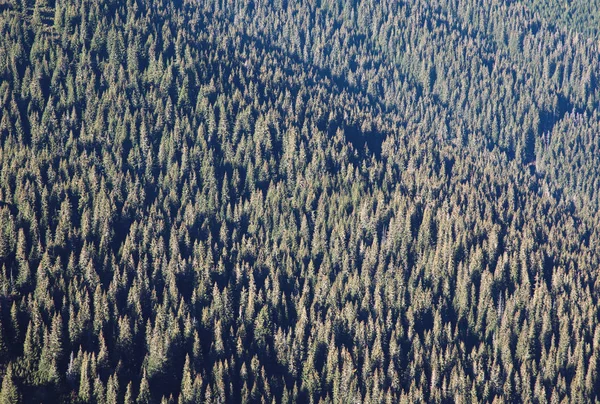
(320, 201)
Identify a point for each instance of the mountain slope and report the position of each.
(281, 201)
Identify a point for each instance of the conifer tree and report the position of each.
(9, 393)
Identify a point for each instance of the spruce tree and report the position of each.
(9, 393)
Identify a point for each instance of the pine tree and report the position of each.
(9, 393)
(187, 383)
(128, 394)
(112, 390)
(85, 382)
(144, 396)
(29, 362)
(14, 317)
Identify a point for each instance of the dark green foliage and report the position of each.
(279, 201)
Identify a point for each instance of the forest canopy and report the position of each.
(299, 201)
